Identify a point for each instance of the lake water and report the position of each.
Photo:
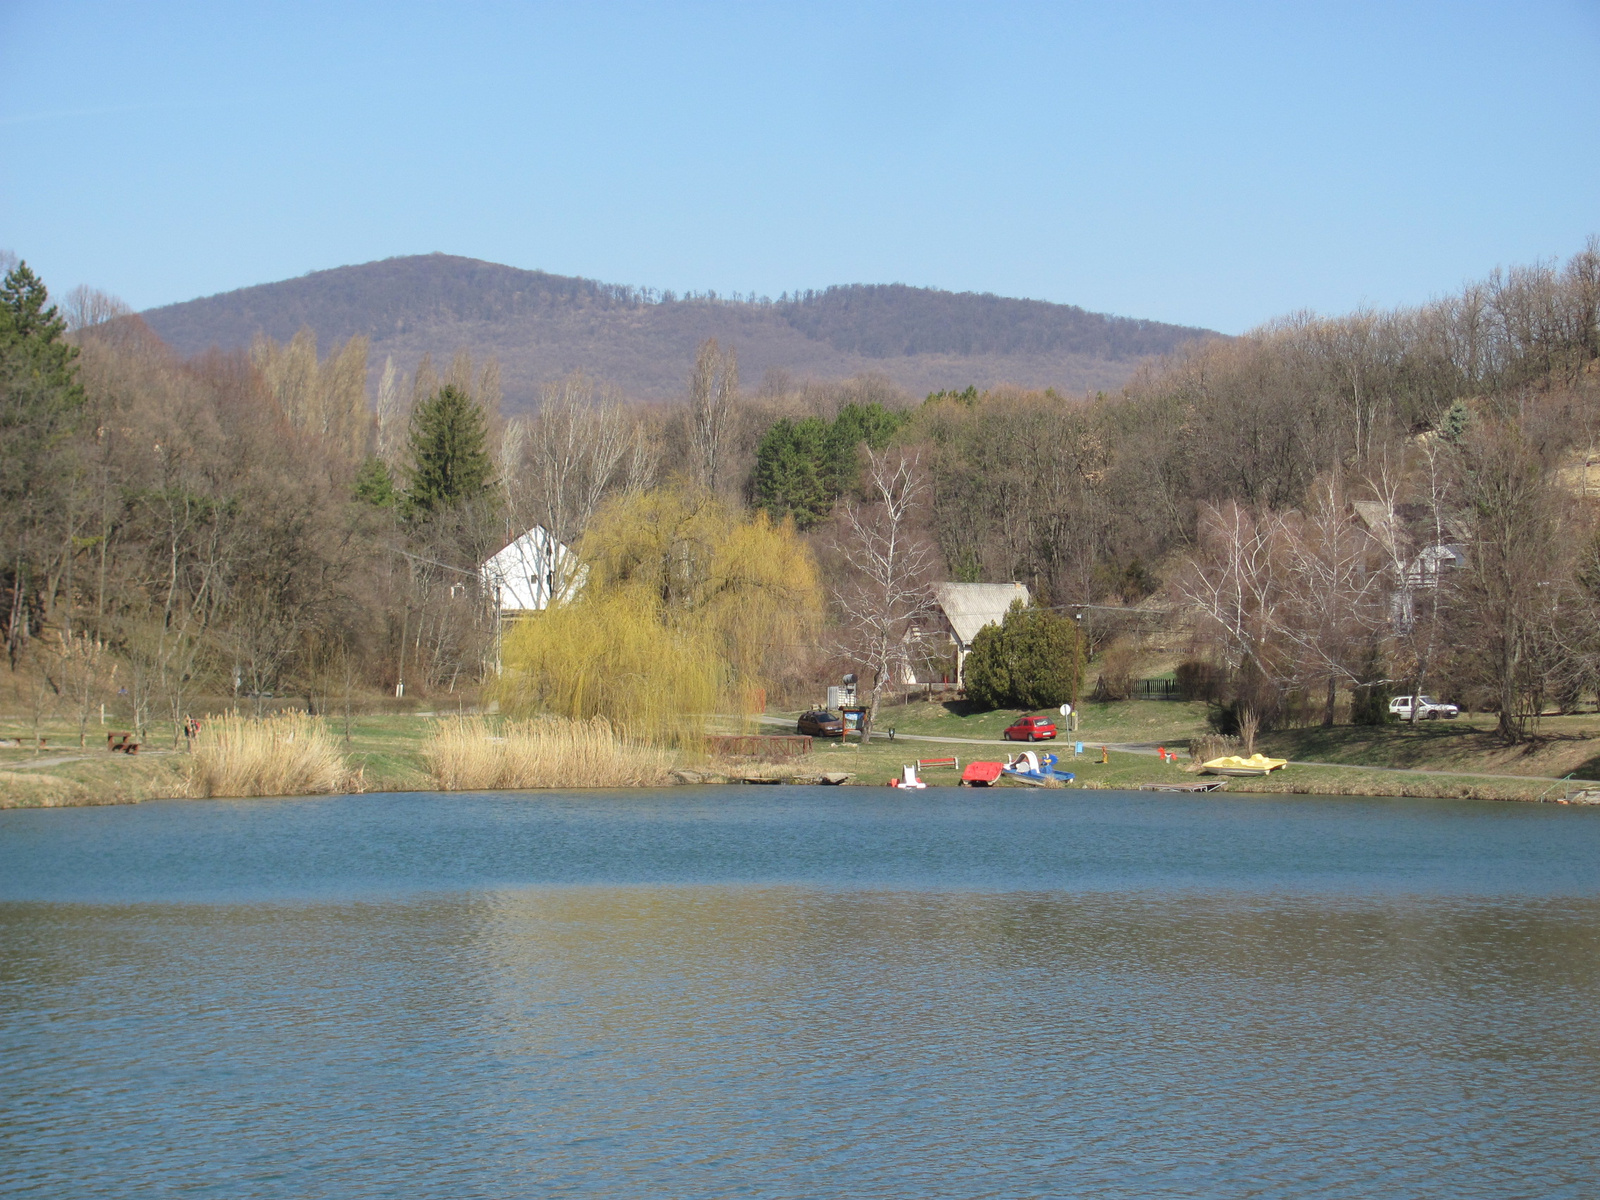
(795, 992)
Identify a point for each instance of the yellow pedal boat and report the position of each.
(1256, 764)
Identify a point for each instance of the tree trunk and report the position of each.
(872, 708)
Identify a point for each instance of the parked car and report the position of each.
(1031, 729)
(1428, 709)
(819, 722)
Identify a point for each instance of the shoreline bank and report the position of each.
(1577, 793)
(391, 753)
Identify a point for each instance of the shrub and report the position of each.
(1212, 745)
(286, 754)
(1370, 705)
(1032, 659)
(1241, 719)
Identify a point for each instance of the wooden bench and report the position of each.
(121, 742)
(938, 762)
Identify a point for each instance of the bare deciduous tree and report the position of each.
(1290, 599)
(394, 415)
(885, 588)
(327, 399)
(86, 307)
(569, 457)
(1335, 594)
(713, 395)
(1232, 583)
(1515, 574)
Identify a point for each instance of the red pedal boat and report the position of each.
(981, 774)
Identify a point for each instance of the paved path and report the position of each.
(1150, 748)
(35, 763)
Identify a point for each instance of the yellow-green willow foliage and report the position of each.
(688, 607)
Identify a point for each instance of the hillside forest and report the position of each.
(540, 326)
(1317, 515)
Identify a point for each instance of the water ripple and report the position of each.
(755, 1039)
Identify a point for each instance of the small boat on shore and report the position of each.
(1256, 764)
(981, 774)
(1031, 767)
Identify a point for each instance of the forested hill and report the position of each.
(541, 326)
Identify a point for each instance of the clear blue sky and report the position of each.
(1210, 163)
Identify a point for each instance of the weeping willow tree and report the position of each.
(687, 608)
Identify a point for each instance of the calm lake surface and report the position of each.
(795, 992)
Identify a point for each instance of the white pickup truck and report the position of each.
(1428, 709)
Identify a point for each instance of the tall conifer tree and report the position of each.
(40, 400)
(450, 461)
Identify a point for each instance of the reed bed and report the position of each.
(468, 754)
(286, 754)
(1212, 745)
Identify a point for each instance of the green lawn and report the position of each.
(1561, 746)
(1126, 721)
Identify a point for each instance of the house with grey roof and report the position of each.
(960, 610)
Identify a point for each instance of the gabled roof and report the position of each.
(523, 573)
(1379, 518)
(970, 606)
(1408, 524)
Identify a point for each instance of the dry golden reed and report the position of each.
(468, 754)
(1211, 745)
(286, 754)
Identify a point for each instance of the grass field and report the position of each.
(1129, 721)
(1561, 746)
(385, 752)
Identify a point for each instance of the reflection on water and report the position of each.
(771, 1039)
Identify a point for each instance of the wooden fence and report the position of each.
(1157, 689)
(758, 745)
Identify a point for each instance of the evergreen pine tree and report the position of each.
(40, 403)
(803, 467)
(39, 391)
(374, 485)
(788, 479)
(856, 423)
(448, 449)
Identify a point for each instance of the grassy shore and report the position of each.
(1462, 759)
(387, 752)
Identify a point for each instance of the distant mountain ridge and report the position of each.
(540, 326)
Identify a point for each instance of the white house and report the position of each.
(964, 608)
(524, 576)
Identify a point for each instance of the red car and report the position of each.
(1031, 729)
